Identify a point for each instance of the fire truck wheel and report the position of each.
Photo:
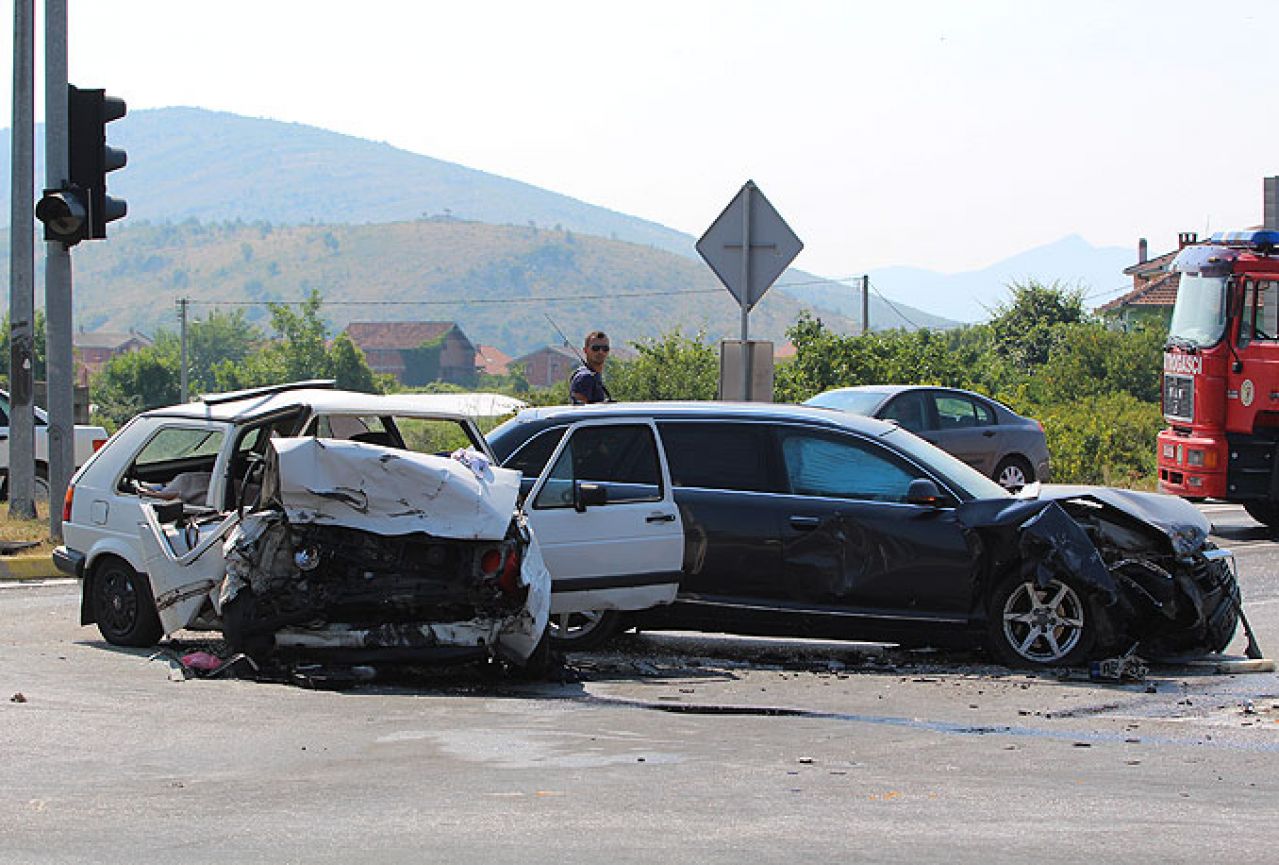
(1266, 513)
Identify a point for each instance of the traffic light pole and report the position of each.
(57, 277)
(22, 461)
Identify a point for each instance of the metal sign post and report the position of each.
(748, 246)
(57, 274)
(22, 460)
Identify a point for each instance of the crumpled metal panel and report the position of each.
(1184, 525)
(259, 555)
(1046, 537)
(1055, 543)
(391, 492)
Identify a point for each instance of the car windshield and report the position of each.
(852, 401)
(1199, 316)
(957, 472)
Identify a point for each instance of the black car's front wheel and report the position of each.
(122, 605)
(1056, 624)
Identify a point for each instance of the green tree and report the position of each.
(136, 381)
(1026, 327)
(351, 370)
(669, 367)
(300, 351)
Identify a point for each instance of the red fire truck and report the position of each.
(1221, 374)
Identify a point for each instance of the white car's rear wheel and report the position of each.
(573, 631)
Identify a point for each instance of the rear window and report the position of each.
(179, 443)
(718, 456)
(852, 401)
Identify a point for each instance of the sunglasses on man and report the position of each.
(599, 348)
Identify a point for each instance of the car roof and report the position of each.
(250, 405)
(710, 410)
(894, 389)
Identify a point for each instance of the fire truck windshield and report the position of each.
(1199, 316)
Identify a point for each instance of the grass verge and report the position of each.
(13, 529)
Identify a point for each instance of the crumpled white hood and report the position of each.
(394, 492)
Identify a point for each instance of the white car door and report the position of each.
(606, 519)
(185, 566)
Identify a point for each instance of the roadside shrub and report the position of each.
(1107, 439)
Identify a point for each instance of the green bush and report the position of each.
(1107, 439)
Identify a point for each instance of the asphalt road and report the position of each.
(670, 748)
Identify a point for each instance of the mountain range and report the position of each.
(224, 207)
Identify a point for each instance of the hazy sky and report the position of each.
(945, 135)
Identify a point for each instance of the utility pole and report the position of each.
(182, 303)
(22, 459)
(57, 275)
(865, 303)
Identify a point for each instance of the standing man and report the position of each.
(587, 385)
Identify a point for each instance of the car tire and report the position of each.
(1059, 625)
(1266, 513)
(41, 491)
(1013, 473)
(123, 606)
(572, 632)
(42, 485)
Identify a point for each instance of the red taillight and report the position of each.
(97, 443)
(490, 562)
(510, 579)
(66, 503)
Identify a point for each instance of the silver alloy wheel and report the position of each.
(1012, 477)
(1043, 624)
(568, 627)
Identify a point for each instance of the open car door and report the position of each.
(185, 565)
(606, 519)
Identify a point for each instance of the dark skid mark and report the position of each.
(931, 726)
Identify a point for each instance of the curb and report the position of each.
(29, 567)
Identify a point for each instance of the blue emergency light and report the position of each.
(1263, 239)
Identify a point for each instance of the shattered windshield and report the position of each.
(1199, 316)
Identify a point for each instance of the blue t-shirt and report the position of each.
(589, 383)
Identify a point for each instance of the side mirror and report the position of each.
(922, 491)
(588, 495)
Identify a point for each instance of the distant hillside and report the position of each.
(193, 164)
(973, 295)
(498, 282)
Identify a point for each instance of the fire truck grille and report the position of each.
(1179, 397)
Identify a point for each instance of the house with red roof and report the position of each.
(416, 352)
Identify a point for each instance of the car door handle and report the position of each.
(805, 523)
(660, 518)
(988, 433)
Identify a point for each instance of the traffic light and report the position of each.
(64, 213)
(90, 159)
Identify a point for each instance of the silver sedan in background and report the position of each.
(982, 432)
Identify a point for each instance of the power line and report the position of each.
(472, 300)
(905, 317)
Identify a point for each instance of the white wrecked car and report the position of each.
(356, 546)
(305, 517)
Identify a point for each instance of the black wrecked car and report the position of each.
(803, 522)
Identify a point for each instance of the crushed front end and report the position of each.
(388, 553)
(1102, 572)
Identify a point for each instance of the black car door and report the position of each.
(852, 544)
(725, 480)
